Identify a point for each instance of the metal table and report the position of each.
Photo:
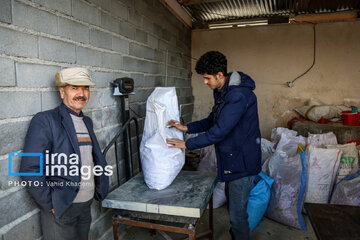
(182, 203)
(334, 222)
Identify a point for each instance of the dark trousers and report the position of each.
(237, 194)
(74, 224)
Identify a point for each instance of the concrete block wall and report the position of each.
(112, 38)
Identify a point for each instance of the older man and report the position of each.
(74, 169)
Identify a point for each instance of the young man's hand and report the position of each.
(176, 143)
(177, 125)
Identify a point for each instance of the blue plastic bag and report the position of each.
(259, 199)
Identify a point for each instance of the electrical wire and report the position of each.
(290, 84)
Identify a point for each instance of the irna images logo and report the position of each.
(59, 164)
(16, 153)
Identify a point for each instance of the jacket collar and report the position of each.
(71, 111)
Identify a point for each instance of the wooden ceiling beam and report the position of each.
(325, 17)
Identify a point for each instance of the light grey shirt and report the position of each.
(87, 184)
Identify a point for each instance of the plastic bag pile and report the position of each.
(326, 172)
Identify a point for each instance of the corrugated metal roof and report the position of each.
(224, 10)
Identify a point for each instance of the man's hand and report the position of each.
(177, 125)
(176, 143)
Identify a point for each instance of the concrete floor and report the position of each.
(267, 229)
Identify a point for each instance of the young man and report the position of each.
(233, 126)
(70, 153)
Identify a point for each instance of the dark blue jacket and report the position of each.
(54, 130)
(233, 126)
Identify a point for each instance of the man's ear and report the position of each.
(62, 92)
(220, 75)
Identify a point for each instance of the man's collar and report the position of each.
(71, 111)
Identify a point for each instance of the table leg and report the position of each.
(211, 217)
(192, 236)
(115, 229)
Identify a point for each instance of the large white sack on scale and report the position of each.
(161, 164)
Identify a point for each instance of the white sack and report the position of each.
(319, 140)
(322, 167)
(289, 144)
(276, 134)
(267, 149)
(349, 162)
(347, 191)
(208, 163)
(161, 164)
(316, 112)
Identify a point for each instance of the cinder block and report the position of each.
(101, 98)
(50, 100)
(86, 13)
(5, 11)
(153, 42)
(154, 81)
(131, 64)
(73, 30)
(119, 9)
(30, 228)
(128, 3)
(7, 181)
(110, 23)
(106, 97)
(27, 16)
(186, 109)
(7, 72)
(104, 137)
(105, 117)
(103, 79)
(15, 136)
(120, 45)
(127, 30)
(34, 75)
(140, 95)
(141, 51)
(15, 205)
(99, 226)
(141, 36)
(18, 44)
(95, 210)
(139, 80)
(153, 28)
(86, 56)
(58, 51)
(100, 39)
(113, 61)
(104, 4)
(19, 104)
(135, 17)
(138, 111)
(63, 6)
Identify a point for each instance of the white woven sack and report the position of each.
(322, 139)
(349, 162)
(161, 164)
(322, 167)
